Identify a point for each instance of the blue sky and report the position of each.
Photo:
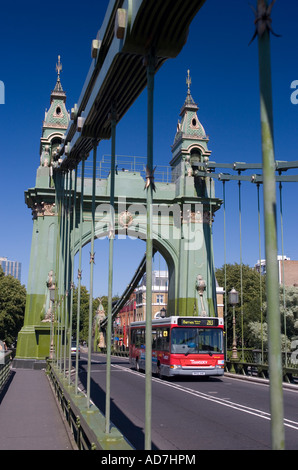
(224, 72)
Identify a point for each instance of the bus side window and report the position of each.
(143, 341)
(153, 339)
(138, 338)
(163, 339)
(166, 339)
(131, 336)
(159, 339)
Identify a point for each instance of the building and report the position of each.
(260, 266)
(220, 292)
(125, 317)
(135, 307)
(159, 295)
(287, 270)
(12, 268)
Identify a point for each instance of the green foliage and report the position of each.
(288, 316)
(84, 311)
(12, 307)
(257, 331)
(254, 307)
(250, 302)
(289, 306)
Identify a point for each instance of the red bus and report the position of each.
(181, 346)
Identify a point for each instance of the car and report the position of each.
(73, 350)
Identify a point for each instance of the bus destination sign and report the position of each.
(198, 321)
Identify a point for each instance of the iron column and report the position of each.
(273, 315)
(80, 274)
(91, 274)
(149, 249)
(111, 254)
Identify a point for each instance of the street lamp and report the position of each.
(52, 291)
(163, 312)
(234, 300)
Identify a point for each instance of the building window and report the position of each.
(159, 299)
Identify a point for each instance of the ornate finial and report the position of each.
(188, 81)
(58, 67)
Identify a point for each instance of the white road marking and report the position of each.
(205, 396)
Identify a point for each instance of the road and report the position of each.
(190, 414)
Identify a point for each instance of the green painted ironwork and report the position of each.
(5, 369)
(85, 422)
(79, 274)
(92, 261)
(72, 254)
(149, 245)
(241, 268)
(273, 315)
(283, 264)
(260, 273)
(110, 274)
(56, 239)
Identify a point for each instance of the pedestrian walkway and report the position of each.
(29, 414)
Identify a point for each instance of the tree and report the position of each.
(289, 307)
(288, 319)
(258, 331)
(84, 311)
(253, 294)
(12, 307)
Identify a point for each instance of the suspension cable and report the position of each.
(241, 270)
(260, 272)
(283, 270)
(79, 274)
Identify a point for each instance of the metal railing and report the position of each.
(86, 423)
(256, 363)
(125, 163)
(5, 361)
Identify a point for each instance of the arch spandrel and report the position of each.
(169, 249)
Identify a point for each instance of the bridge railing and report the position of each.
(5, 361)
(86, 423)
(254, 362)
(162, 174)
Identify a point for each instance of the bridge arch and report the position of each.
(161, 245)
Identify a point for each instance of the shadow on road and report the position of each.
(134, 434)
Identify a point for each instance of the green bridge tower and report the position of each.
(183, 212)
(33, 339)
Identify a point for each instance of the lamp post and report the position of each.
(52, 291)
(163, 312)
(234, 300)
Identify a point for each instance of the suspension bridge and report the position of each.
(71, 209)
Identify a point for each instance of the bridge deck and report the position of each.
(29, 415)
